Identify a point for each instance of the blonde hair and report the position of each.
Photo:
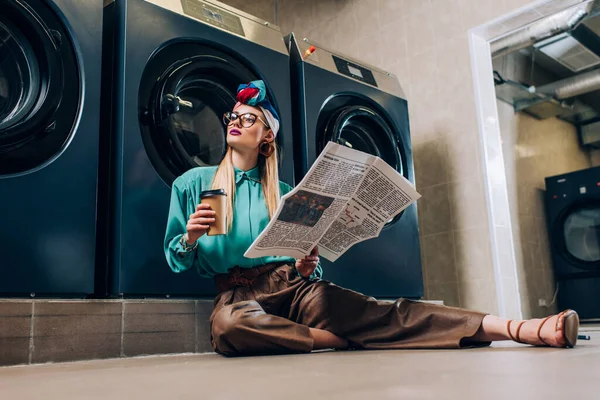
(269, 178)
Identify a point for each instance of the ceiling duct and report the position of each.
(565, 21)
(590, 135)
(573, 86)
(571, 38)
(552, 100)
(577, 50)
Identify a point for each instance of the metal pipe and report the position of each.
(573, 86)
(552, 25)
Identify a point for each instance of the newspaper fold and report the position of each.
(346, 197)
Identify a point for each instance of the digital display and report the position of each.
(213, 15)
(355, 71)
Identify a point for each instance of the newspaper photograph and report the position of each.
(346, 197)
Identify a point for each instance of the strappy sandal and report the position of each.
(570, 329)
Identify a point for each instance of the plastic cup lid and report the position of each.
(215, 192)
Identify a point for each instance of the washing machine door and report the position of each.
(38, 105)
(577, 235)
(182, 111)
(362, 127)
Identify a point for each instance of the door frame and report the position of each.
(490, 146)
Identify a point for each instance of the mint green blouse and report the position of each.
(218, 254)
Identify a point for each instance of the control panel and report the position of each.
(575, 185)
(213, 15)
(354, 71)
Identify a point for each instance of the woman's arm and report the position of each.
(178, 258)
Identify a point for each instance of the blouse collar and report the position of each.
(253, 175)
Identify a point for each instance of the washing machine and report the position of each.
(573, 220)
(349, 102)
(176, 68)
(49, 123)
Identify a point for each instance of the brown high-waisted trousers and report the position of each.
(273, 315)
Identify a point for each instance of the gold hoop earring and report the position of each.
(268, 151)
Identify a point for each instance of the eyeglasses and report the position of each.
(246, 119)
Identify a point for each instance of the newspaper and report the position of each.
(346, 198)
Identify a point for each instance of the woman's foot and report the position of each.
(556, 331)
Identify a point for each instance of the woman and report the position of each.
(280, 305)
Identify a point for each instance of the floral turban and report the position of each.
(255, 94)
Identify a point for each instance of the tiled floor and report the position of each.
(504, 371)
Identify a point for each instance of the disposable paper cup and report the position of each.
(216, 199)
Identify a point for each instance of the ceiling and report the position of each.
(530, 66)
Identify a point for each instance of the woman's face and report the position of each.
(247, 131)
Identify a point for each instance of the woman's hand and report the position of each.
(307, 265)
(199, 222)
